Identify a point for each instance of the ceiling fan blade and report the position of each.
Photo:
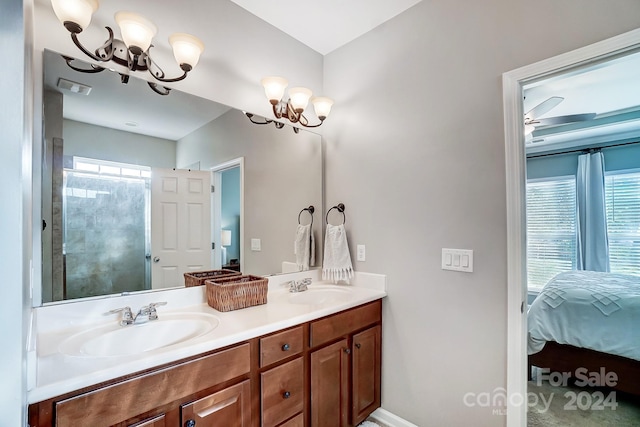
(543, 108)
(559, 120)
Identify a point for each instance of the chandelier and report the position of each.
(133, 50)
(293, 108)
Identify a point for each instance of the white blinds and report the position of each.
(622, 196)
(551, 229)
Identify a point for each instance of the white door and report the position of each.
(180, 225)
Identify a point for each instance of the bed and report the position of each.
(588, 320)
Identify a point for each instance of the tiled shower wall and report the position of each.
(105, 235)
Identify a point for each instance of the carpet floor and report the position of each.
(573, 406)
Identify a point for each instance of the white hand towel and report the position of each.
(337, 260)
(304, 247)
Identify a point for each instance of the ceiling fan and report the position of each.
(531, 119)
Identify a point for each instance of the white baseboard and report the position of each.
(390, 419)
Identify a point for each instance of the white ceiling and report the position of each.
(325, 25)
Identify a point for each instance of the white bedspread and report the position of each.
(599, 311)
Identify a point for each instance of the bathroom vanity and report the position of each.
(307, 359)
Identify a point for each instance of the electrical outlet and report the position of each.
(361, 254)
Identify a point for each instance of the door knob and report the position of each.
(157, 259)
(190, 423)
(347, 350)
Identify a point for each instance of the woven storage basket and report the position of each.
(235, 292)
(197, 278)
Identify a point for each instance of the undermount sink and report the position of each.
(320, 294)
(114, 340)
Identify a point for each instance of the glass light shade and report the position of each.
(322, 105)
(186, 48)
(76, 11)
(136, 30)
(299, 97)
(274, 87)
(225, 236)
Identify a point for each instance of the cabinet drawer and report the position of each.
(230, 407)
(282, 392)
(125, 400)
(297, 421)
(280, 346)
(341, 324)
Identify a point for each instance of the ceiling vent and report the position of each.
(74, 87)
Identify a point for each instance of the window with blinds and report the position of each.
(622, 196)
(551, 229)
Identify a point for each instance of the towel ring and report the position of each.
(311, 210)
(340, 208)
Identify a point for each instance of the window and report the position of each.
(622, 198)
(551, 229)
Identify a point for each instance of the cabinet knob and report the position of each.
(190, 423)
(358, 345)
(347, 350)
(285, 347)
(286, 394)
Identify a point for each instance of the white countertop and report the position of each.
(56, 373)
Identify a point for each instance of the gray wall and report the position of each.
(15, 216)
(97, 142)
(282, 175)
(415, 150)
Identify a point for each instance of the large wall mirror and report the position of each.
(110, 150)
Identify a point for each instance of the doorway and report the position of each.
(513, 83)
(227, 219)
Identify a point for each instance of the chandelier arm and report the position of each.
(153, 68)
(276, 111)
(291, 114)
(251, 119)
(175, 79)
(74, 37)
(94, 68)
(155, 88)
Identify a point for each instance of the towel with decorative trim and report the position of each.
(337, 260)
(304, 247)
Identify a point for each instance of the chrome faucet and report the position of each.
(299, 285)
(145, 314)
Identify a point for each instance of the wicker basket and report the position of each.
(236, 292)
(197, 278)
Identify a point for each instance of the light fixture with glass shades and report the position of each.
(293, 108)
(133, 50)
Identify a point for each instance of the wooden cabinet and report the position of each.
(345, 375)
(321, 373)
(365, 375)
(330, 385)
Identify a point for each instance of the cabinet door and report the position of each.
(329, 385)
(230, 407)
(365, 374)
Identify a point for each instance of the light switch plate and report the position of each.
(457, 260)
(361, 253)
(256, 245)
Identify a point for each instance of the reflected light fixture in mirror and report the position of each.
(293, 108)
(133, 50)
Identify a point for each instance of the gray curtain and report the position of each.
(593, 242)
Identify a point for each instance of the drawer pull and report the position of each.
(286, 395)
(357, 345)
(285, 347)
(190, 423)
